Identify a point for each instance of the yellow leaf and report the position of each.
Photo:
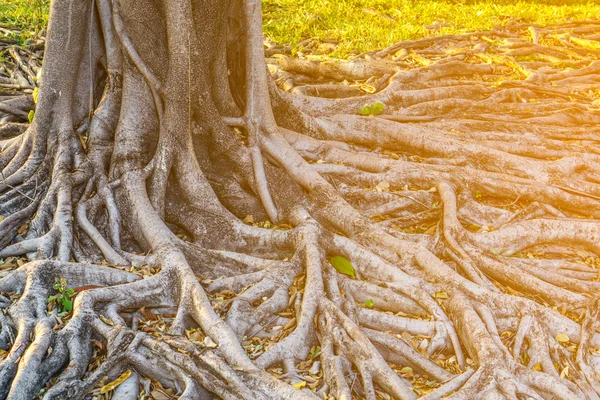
(562, 338)
(290, 324)
(299, 385)
(114, 384)
(383, 186)
(431, 231)
(368, 88)
(565, 372)
(441, 295)
(249, 219)
(537, 367)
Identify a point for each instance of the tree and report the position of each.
(158, 132)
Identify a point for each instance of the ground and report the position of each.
(447, 244)
(340, 29)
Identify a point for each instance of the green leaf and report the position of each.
(342, 265)
(366, 110)
(372, 109)
(35, 94)
(67, 304)
(314, 351)
(369, 303)
(377, 108)
(30, 116)
(51, 298)
(70, 291)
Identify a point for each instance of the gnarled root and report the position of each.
(471, 247)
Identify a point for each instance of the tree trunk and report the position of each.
(158, 131)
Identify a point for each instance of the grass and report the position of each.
(29, 16)
(360, 25)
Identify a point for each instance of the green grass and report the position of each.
(29, 16)
(361, 25)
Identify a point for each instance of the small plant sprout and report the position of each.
(61, 300)
(372, 109)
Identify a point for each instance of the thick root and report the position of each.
(470, 241)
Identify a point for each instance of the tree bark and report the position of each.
(158, 131)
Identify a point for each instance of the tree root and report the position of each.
(471, 239)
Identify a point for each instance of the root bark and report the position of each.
(195, 208)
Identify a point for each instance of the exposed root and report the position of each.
(466, 211)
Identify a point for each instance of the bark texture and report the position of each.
(468, 207)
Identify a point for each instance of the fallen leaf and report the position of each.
(114, 384)
(343, 265)
(148, 315)
(208, 342)
(299, 385)
(99, 345)
(158, 395)
(291, 323)
(368, 88)
(383, 186)
(315, 368)
(23, 229)
(562, 338)
(106, 320)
